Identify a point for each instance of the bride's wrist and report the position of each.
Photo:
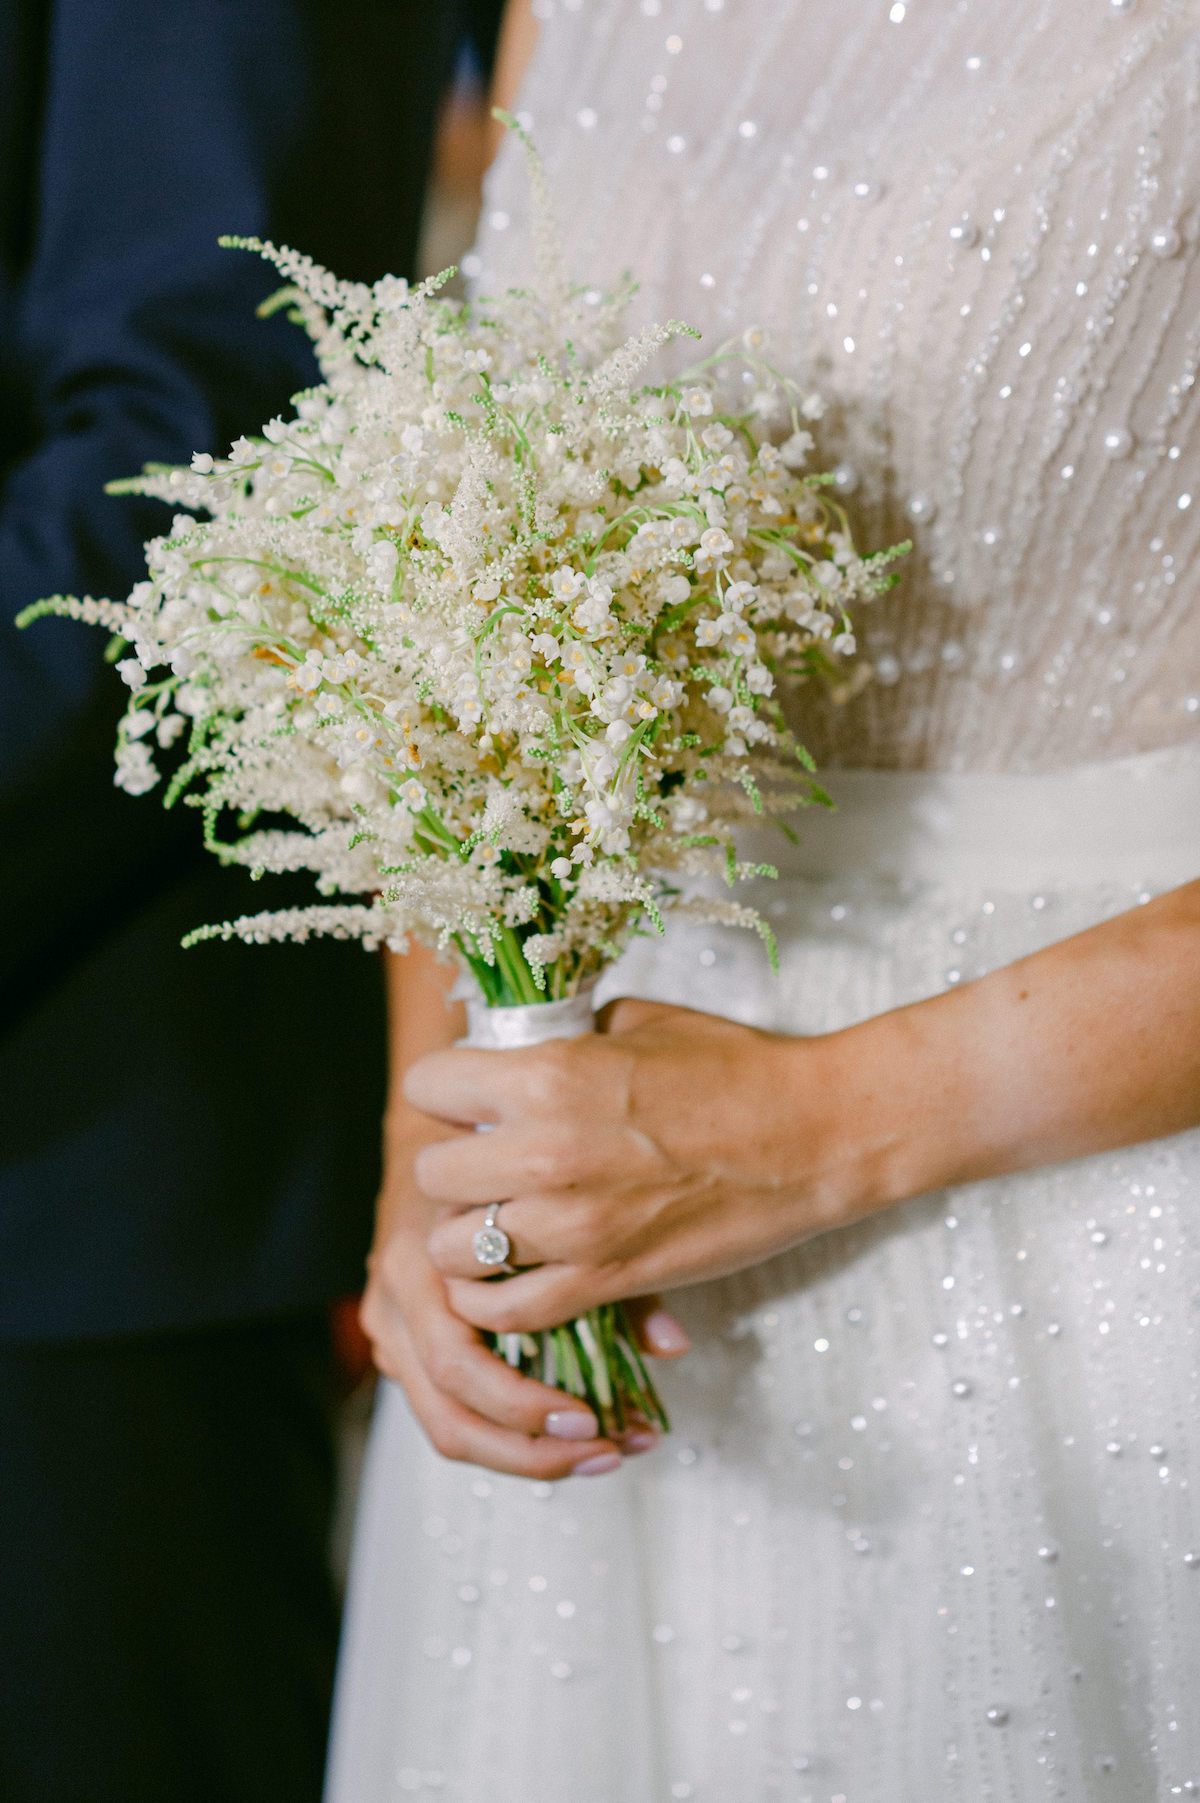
(885, 1104)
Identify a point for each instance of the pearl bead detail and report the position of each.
(1165, 241)
(921, 509)
(1118, 442)
(964, 232)
(1122, 6)
(997, 1715)
(845, 479)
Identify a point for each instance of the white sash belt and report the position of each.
(1127, 821)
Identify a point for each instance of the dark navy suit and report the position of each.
(188, 1141)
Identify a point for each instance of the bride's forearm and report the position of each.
(1089, 1044)
(420, 1019)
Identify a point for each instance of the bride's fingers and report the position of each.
(538, 1233)
(460, 1367)
(655, 1329)
(457, 1433)
(528, 1159)
(533, 1300)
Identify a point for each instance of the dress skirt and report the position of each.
(927, 1526)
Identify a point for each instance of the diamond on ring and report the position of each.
(491, 1245)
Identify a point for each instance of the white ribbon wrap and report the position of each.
(502, 1029)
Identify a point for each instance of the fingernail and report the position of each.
(603, 1461)
(635, 1443)
(664, 1333)
(572, 1424)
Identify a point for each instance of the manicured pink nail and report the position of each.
(603, 1461)
(572, 1424)
(664, 1333)
(634, 1443)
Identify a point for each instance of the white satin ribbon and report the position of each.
(502, 1029)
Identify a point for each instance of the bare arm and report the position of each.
(679, 1147)
(518, 35)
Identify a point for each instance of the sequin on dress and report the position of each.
(928, 1526)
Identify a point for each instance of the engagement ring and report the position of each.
(491, 1245)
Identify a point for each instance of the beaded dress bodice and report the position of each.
(974, 229)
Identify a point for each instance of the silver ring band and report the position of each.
(491, 1245)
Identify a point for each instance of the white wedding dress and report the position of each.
(927, 1527)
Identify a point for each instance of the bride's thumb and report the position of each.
(655, 1329)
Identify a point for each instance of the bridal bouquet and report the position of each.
(489, 637)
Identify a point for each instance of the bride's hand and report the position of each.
(678, 1146)
(674, 1147)
(470, 1403)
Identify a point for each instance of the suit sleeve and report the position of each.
(163, 124)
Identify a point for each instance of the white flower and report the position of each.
(545, 646)
(135, 772)
(715, 545)
(708, 632)
(618, 732)
(687, 813)
(169, 729)
(812, 407)
(382, 559)
(599, 766)
(759, 679)
(413, 794)
(202, 463)
(719, 698)
(139, 723)
(566, 584)
(358, 785)
(561, 868)
(592, 614)
(716, 437)
(742, 639)
(131, 671)
(844, 643)
(739, 595)
(696, 401)
(794, 450)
